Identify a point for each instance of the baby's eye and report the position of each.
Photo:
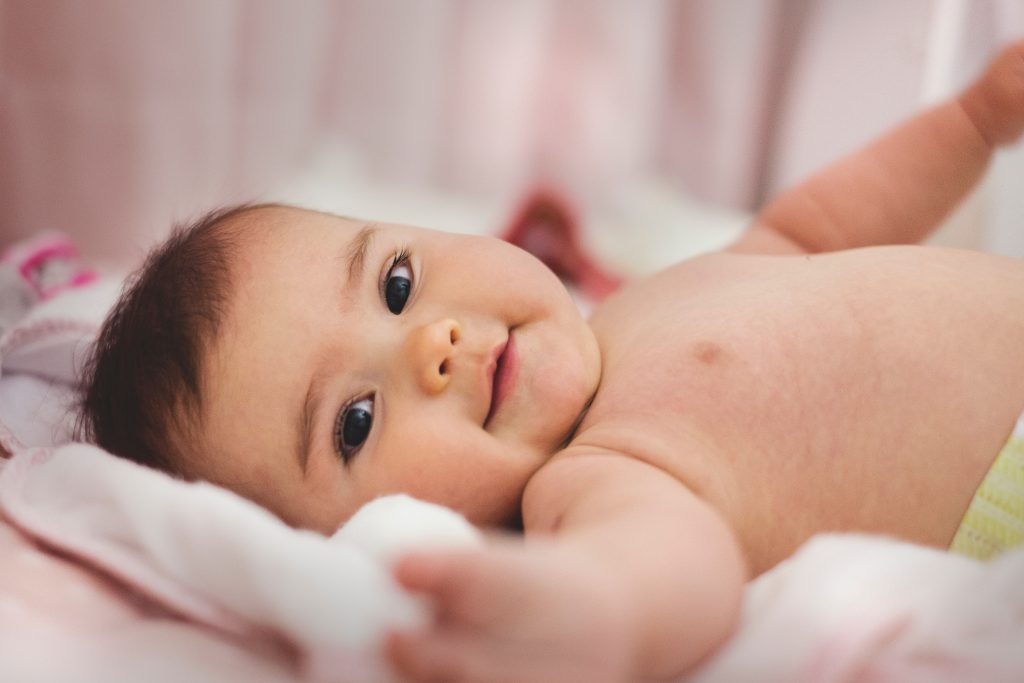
(353, 427)
(398, 285)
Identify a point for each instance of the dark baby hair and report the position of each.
(141, 385)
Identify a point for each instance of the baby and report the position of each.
(703, 424)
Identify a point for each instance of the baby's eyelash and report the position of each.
(399, 258)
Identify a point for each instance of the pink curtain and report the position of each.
(119, 117)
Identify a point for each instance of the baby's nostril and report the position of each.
(443, 369)
(454, 336)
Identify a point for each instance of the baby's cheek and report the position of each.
(477, 475)
(564, 381)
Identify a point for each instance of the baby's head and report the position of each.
(311, 363)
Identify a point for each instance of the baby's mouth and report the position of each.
(503, 376)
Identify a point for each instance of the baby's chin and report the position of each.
(504, 509)
(561, 419)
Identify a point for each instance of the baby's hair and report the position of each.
(141, 384)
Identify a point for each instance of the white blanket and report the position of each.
(221, 562)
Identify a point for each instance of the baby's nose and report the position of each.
(432, 347)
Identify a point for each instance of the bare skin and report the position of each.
(807, 390)
(746, 400)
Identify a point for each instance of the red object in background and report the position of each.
(546, 227)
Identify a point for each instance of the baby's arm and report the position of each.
(676, 559)
(900, 187)
(625, 574)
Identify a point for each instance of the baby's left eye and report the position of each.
(398, 285)
(352, 427)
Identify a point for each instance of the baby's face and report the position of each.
(359, 360)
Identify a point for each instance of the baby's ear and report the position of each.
(390, 526)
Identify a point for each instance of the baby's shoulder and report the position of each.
(695, 286)
(579, 479)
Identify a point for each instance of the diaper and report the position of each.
(994, 521)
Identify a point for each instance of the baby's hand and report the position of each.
(995, 102)
(514, 613)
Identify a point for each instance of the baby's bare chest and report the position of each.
(832, 394)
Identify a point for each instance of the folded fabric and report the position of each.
(854, 608)
(222, 562)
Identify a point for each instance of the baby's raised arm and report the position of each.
(900, 187)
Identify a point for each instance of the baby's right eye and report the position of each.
(352, 427)
(398, 283)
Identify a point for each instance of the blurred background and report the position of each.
(664, 124)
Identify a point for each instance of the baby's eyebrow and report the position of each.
(354, 255)
(356, 251)
(307, 418)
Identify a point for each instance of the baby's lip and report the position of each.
(497, 355)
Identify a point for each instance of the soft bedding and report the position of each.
(110, 571)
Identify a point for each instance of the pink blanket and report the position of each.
(110, 572)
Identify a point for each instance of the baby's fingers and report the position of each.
(435, 573)
(443, 576)
(472, 586)
(454, 656)
(437, 657)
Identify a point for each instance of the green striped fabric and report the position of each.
(995, 518)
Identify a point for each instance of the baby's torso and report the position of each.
(863, 390)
